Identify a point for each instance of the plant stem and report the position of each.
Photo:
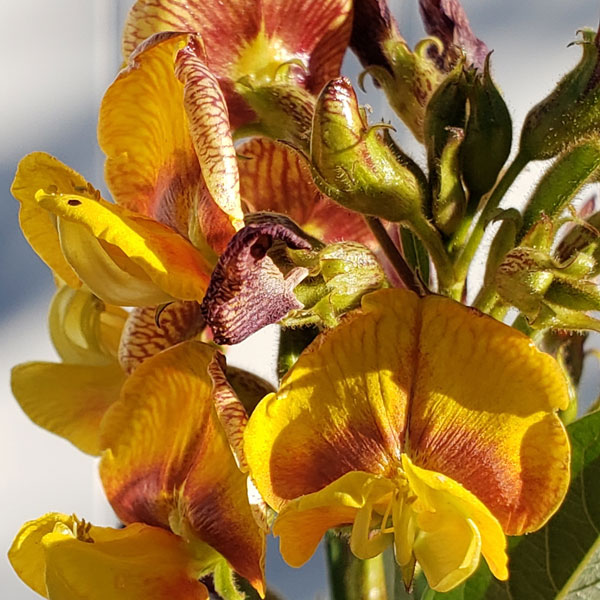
(390, 249)
(466, 256)
(431, 239)
(351, 578)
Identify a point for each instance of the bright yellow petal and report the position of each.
(484, 413)
(132, 242)
(83, 329)
(69, 400)
(456, 513)
(42, 171)
(60, 558)
(168, 459)
(273, 177)
(341, 408)
(303, 522)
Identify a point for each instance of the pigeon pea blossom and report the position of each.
(421, 424)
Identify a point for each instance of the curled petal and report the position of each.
(69, 400)
(42, 171)
(447, 20)
(61, 557)
(83, 329)
(247, 290)
(139, 246)
(273, 177)
(390, 379)
(147, 333)
(168, 460)
(151, 166)
(209, 127)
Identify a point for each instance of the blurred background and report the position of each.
(57, 59)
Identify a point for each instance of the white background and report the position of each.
(56, 60)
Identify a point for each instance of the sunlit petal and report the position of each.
(42, 171)
(69, 400)
(62, 558)
(132, 242)
(169, 461)
(483, 412)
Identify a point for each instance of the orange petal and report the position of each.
(143, 337)
(151, 166)
(493, 428)
(168, 459)
(41, 171)
(69, 400)
(209, 126)
(232, 33)
(274, 177)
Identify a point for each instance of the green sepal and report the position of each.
(488, 136)
(570, 112)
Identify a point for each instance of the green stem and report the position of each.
(431, 239)
(466, 256)
(351, 578)
(390, 249)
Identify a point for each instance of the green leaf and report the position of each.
(562, 560)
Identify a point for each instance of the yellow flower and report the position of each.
(421, 423)
(61, 557)
(173, 470)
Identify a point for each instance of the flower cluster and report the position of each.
(248, 188)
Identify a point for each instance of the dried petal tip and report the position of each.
(447, 20)
(248, 290)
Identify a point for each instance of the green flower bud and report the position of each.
(571, 111)
(446, 109)
(353, 163)
(488, 137)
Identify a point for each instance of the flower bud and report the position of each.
(571, 111)
(354, 164)
(488, 137)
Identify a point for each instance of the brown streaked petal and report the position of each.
(145, 335)
(210, 130)
(168, 460)
(247, 291)
(230, 410)
(151, 165)
(236, 33)
(447, 20)
(274, 177)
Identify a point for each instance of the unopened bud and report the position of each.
(488, 136)
(357, 167)
(571, 111)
